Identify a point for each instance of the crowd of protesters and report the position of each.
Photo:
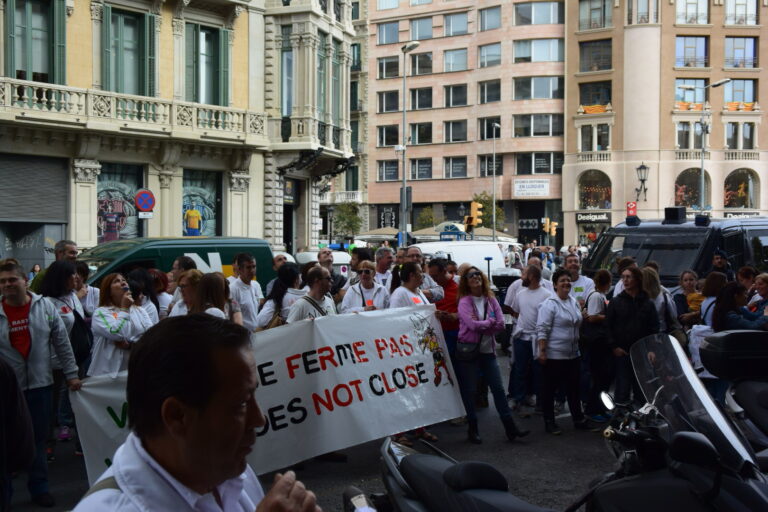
(570, 339)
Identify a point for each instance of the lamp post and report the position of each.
(642, 175)
(461, 210)
(704, 130)
(495, 126)
(406, 48)
(330, 225)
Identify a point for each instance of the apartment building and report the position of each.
(100, 100)
(642, 76)
(486, 79)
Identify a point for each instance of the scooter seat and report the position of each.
(752, 396)
(443, 486)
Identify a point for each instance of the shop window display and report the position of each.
(741, 188)
(594, 191)
(687, 188)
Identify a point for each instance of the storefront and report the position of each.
(201, 203)
(594, 191)
(590, 225)
(741, 190)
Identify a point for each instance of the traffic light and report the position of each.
(545, 225)
(468, 223)
(553, 228)
(475, 213)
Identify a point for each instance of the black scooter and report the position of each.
(676, 453)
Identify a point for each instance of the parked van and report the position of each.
(472, 252)
(678, 244)
(341, 260)
(214, 254)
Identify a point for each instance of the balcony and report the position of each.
(700, 61)
(105, 111)
(593, 156)
(732, 62)
(690, 154)
(692, 18)
(741, 19)
(595, 109)
(343, 196)
(593, 23)
(741, 154)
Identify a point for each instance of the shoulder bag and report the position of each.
(468, 352)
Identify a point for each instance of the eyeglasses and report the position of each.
(474, 274)
(366, 271)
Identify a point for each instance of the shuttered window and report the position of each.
(128, 52)
(35, 189)
(206, 77)
(35, 43)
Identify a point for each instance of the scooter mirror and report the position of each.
(607, 401)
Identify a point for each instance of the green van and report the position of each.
(214, 254)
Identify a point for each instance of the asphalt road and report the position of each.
(546, 470)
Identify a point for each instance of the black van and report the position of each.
(678, 244)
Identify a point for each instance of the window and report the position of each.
(490, 55)
(538, 125)
(485, 163)
(456, 24)
(455, 60)
(490, 91)
(490, 18)
(692, 12)
(741, 12)
(539, 163)
(421, 168)
(389, 67)
(594, 190)
(691, 52)
(741, 189)
(420, 2)
(742, 91)
(421, 29)
(354, 50)
(698, 95)
(595, 93)
(351, 178)
(456, 95)
(455, 131)
(595, 55)
(487, 129)
(382, 5)
(595, 14)
(747, 136)
(35, 42)
(539, 13)
(421, 133)
(539, 50)
(539, 87)
(688, 189)
(421, 98)
(128, 64)
(387, 170)
(421, 63)
(740, 52)
(203, 50)
(389, 101)
(456, 167)
(286, 72)
(354, 128)
(116, 187)
(322, 75)
(336, 83)
(355, 10)
(684, 132)
(387, 135)
(389, 32)
(202, 190)
(595, 137)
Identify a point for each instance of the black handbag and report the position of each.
(81, 338)
(468, 352)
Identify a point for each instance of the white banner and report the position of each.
(324, 385)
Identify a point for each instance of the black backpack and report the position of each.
(81, 339)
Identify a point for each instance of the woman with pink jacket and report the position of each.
(480, 318)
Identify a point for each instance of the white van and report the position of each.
(470, 251)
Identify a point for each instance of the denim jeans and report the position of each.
(467, 374)
(450, 342)
(526, 373)
(39, 402)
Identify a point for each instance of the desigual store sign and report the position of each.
(588, 218)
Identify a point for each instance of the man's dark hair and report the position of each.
(451, 262)
(186, 263)
(652, 264)
(747, 272)
(624, 263)
(315, 274)
(363, 254)
(243, 257)
(440, 263)
(82, 269)
(56, 279)
(10, 265)
(175, 359)
(533, 272)
(534, 254)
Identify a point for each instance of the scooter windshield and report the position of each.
(666, 376)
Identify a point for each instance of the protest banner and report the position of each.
(324, 385)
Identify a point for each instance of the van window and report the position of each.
(733, 243)
(674, 253)
(758, 241)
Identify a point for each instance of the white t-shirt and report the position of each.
(402, 297)
(527, 303)
(305, 308)
(91, 300)
(581, 288)
(486, 342)
(179, 309)
(596, 304)
(164, 299)
(216, 312)
(151, 310)
(517, 285)
(248, 296)
(289, 299)
(384, 279)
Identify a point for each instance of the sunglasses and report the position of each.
(474, 274)
(366, 271)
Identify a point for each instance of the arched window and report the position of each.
(594, 191)
(741, 189)
(687, 186)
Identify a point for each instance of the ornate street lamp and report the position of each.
(642, 175)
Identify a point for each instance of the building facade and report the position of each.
(99, 100)
(642, 76)
(485, 81)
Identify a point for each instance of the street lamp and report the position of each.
(330, 225)
(406, 48)
(642, 175)
(704, 130)
(461, 210)
(495, 126)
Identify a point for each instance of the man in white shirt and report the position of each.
(245, 290)
(189, 441)
(316, 302)
(581, 286)
(432, 291)
(521, 283)
(384, 258)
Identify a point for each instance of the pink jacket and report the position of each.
(472, 327)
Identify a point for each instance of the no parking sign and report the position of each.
(144, 200)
